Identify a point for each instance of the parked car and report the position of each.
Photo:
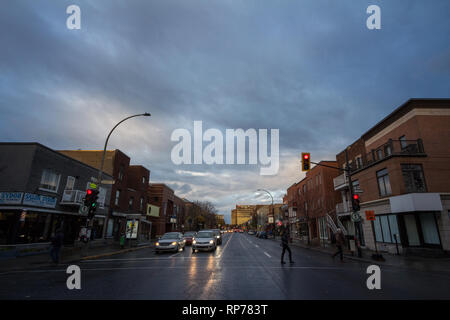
(189, 236)
(251, 232)
(204, 240)
(171, 241)
(241, 231)
(262, 235)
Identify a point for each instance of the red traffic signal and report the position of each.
(89, 191)
(306, 156)
(306, 161)
(355, 196)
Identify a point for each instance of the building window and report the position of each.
(304, 189)
(70, 184)
(403, 142)
(116, 201)
(414, 178)
(323, 228)
(142, 204)
(130, 203)
(358, 161)
(50, 181)
(143, 180)
(355, 185)
(384, 185)
(387, 150)
(379, 154)
(386, 228)
(120, 177)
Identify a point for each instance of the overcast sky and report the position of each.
(309, 68)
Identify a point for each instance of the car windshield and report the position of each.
(204, 235)
(189, 234)
(171, 235)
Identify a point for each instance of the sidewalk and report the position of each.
(68, 255)
(408, 262)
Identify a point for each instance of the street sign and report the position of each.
(108, 181)
(92, 185)
(370, 215)
(358, 190)
(83, 209)
(356, 217)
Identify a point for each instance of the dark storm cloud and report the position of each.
(310, 68)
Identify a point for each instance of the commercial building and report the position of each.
(129, 189)
(42, 190)
(244, 213)
(401, 167)
(220, 219)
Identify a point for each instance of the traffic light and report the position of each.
(355, 202)
(90, 201)
(306, 161)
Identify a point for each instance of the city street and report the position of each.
(243, 267)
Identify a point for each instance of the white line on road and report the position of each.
(256, 246)
(226, 245)
(267, 254)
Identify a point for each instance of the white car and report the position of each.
(204, 240)
(171, 241)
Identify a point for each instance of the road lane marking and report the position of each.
(226, 245)
(267, 254)
(256, 246)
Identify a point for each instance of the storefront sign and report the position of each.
(270, 219)
(152, 210)
(39, 200)
(370, 215)
(173, 220)
(11, 197)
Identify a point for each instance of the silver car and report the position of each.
(204, 240)
(171, 241)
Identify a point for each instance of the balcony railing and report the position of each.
(390, 149)
(340, 182)
(73, 197)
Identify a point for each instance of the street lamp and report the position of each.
(100, 171)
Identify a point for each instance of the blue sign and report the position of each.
(11, 197)
(39, 200)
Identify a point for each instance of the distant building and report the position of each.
(220, 219)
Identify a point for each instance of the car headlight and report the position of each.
(194, 242)
(184, 240)
(174, 243)
(217, 237)
(211, 241)
(157, 244)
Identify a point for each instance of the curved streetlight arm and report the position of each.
(100, 172)
(267, 192)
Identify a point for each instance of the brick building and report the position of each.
(311, 200)
(402, 167)
(129, 191)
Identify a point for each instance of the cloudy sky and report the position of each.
(309, 68)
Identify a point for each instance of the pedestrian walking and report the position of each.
(340, 242)
(285, 238)
(57, 242)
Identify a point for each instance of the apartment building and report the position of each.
(402, 167)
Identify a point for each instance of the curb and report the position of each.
(114, 253)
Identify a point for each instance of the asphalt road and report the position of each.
(242, 268)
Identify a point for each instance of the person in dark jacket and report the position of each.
(285, 238)
(57, 242)
(340, 242)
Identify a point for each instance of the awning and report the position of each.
(416, 202)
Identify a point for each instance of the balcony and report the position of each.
(392, 148)
(340, 182)
(342, 209)
(72, 197)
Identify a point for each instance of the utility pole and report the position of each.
(350, 184)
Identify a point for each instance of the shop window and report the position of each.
(429, 229)
(414, 178)
(385, 228)
(411, 230)
(50, 180)
(323, 228)
(384, 184)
